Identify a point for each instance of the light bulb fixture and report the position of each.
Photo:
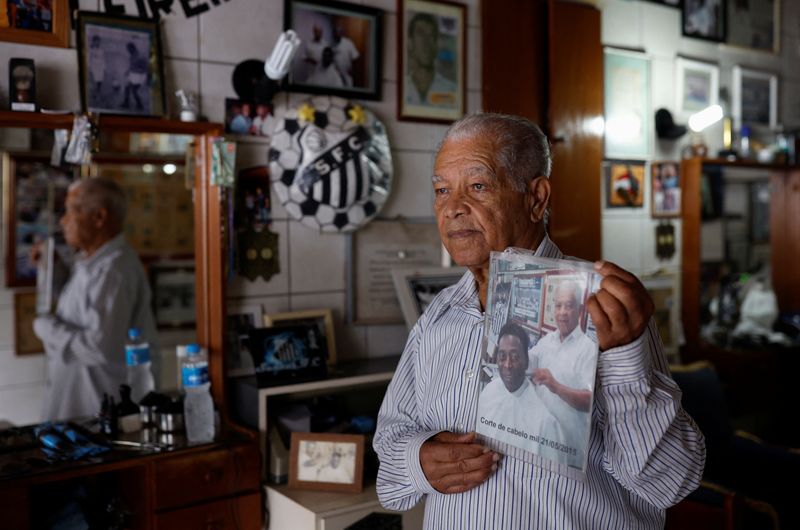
(706, 117)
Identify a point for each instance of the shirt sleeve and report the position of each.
(652, 447)
(107, 315)
(401, 483)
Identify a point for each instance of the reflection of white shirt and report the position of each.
(344, 53)
(326, 76)
(572, 363)
(314, 51)
(441, 93)
(522, 410)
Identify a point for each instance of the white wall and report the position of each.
(200, 55)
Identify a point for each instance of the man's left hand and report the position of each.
(621, 308)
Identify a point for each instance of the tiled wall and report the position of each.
(200, 55)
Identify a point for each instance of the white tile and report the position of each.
(390, 46)
(7, 326)
(179, 34)
(791, 57)
(350, 339)
(55, 67)
(405, 134)
(474, 101)
(22, 405)
(317, 260)
(386, 340)
(790, 18)
(663, 85)
(181, 74)
(236, 31)
(241, 287)
(699, 49)
(474, 59)
(790, 103)
(650, 262)
(22, 369)
(622, 238)
(661, 29)
(215, 86)
(327, 300)
(621, 23)
(412, 194)
(89, 5)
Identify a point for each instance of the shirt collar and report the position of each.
(106, 248)
(574, 335)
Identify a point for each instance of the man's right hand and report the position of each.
(454, 463)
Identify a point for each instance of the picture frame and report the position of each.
(288, 354)
(697, 86)
(624, 183)
(120, 65)
(669, 3)
(755, 98)
(664, 290)
(341, 52)
(327, 462)
(248, 118)
(22, 85)
(25, 340)
(431, 60)
(34, 194)
(704, 19)
(26, 28)
(321, 318)
(628, 116)
(240, 319)
(552, 280)
(173, 294)
(755, 25)
(417, 287)
(665, 186)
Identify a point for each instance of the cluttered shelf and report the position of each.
(42, 120)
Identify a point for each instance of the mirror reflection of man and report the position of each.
(511, 399)
(424, 85)
(106, 294)
(565, 360)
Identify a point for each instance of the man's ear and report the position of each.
(537, 198)
(100, 217)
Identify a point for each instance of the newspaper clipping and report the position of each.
(539, 361)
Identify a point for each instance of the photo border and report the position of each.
(723, 17)
(358, 475)
(375, 69)
(775, 49)
(661, 215)
(232, 309)
(27, 298)
(736, 108)
(607, 182)
(58, 37)
(288, 318)
(681, 65)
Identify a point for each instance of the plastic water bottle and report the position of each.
(198, 408)
(137, 357)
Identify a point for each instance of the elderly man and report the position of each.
(565, 360)
(509, 407)
(491, 191)
(106, 294)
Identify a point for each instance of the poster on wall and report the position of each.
(627, 104)
(624, 183)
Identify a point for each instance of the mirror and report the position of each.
(156, 172)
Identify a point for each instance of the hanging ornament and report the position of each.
(330, 163)
(665, 240)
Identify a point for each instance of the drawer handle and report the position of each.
(213, 475)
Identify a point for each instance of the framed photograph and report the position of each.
(755, 98)
(327, 462)
(341, 51)
(704, 19)
(698, 86)
(416, 288)
(624, 183)
(240, 319)
(43, 23)
(22, 84)
(33, 203)
(665, 183)
(755, 24)
(553, 279)
(432, 60)
(172, 286)
(627, 104)
(663, 290)
(25, 340)
(248, 118)
(321, 318)
(288, 354)
(121, 70)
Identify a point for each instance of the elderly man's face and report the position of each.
(80, 226)
(422, 45)
(512, 361)
(476, 209)
(567, 311)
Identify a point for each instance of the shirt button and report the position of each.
(470, 374)
(460, 426)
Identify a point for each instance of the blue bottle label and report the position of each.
(137, 355)
(194, 374)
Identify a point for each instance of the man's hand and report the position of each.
(454, 463)
(621, 308)
(543, 376)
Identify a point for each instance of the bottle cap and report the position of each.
(134, 333)
(192, 349)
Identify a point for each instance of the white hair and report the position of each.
(99, 192)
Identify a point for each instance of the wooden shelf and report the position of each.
(39, 120)
(747, 164)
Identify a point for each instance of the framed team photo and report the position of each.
(43, 23)
(120, 64)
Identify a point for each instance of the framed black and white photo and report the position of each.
(172, 287)
(289, 353)
(697, 86)
(663, 289)
(416, 288)
(321, 318)
(341, 50)
(326, 461)
(431, 65)
(755, 24)
(755, 98)
(120, 63)
(704, 19)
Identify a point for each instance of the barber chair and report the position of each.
(747, 483)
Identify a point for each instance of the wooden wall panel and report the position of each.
(691, 171)
(785, 238)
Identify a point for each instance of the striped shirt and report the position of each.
(645, 452)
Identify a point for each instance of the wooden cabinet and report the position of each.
(237, 513)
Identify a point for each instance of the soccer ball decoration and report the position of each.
(330, 163)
